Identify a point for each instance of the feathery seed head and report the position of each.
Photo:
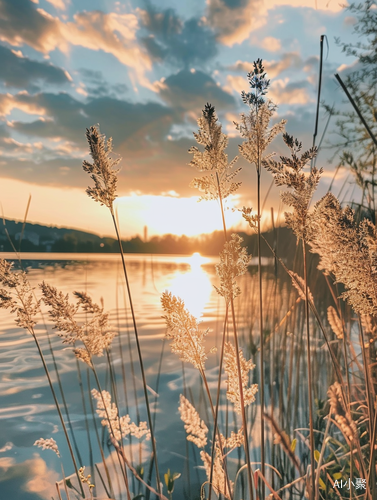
(301, 187)
(257, 133)
(195, 428)
(102, 171)
(85, 479)
(335, 322)
(213, 159)
(342, 416)
(118, 427)
(95, 332)
(17, 295)
(219, 482)
(299, 284)
(348, 251)
(183, 329)
(258, 83)
(47, 444)
(231, 369)
(233, 263)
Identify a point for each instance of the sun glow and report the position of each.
(168, 214)
(193, 286)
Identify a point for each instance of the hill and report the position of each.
(39, 238)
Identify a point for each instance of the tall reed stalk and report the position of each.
(102, 171)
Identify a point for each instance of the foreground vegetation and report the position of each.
(297, 376)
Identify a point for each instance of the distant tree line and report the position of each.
(37, 238)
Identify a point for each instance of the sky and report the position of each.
(143, 70)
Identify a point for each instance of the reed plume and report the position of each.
(342, 416)
(195, 428)
(218, 185)
(47, 444)
(233, 263)
(335, 322)
(214, 160)
(300, 186)
(348, 251)
(102, 171)
(95, 333)
(183, 328)
(218, 475)
(299, 284)
(255, 129)
(18, 296)
(118, 426)
(231, 369)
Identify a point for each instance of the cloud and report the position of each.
(271, 44)
(97, 86)
(22, 101)
(285, 92)
(31, 476)
(112, 32)
(139, 131)
(182, 43)
(233, 20)
(21, 72)
(59, 4)
(22, 22)
(191, 90)
(322, 5)
(273, 68)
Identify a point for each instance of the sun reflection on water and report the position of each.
(193, 287)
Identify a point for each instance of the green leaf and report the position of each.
(293, 445)
(167, 477)
(68, 483)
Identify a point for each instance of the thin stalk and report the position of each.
(139, 353)
(59, 411)
(355, 107)
(217, 403)
(134, 471)
(261, 388)
(204, 378)
(310, 392)
(243, 411)
(123, 366)
(370, 404)
(112, 434)
(98, 439)
(91, 459)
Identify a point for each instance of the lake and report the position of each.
(27, 409)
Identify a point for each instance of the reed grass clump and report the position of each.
(287, 407)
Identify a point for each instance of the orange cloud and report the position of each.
(112, 32)
(273, 68)
(284, 92)
(234, 21)
(271, 44)
(59, 4)
(234, 24)
(33, 473)
(236, 84)
(8, 102)
(332, 6)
